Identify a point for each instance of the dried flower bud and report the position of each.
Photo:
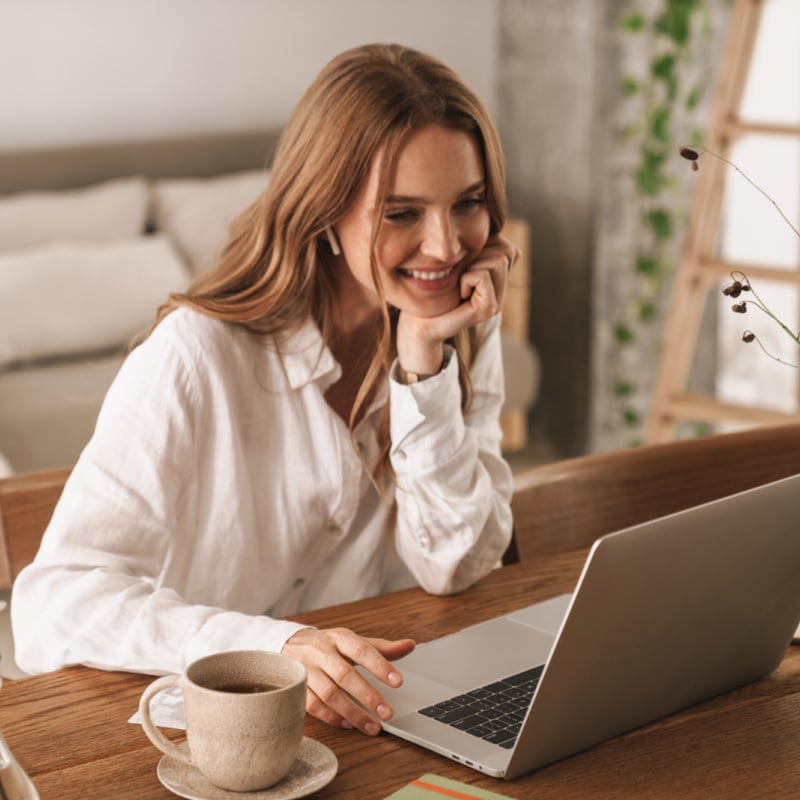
(748, 336)
(689, 154)
(739, 308)
(733, 289)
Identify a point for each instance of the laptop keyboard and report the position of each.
(493, 712)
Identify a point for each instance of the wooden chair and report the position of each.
(27, 501)
(568, 504)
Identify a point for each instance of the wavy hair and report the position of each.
(276, 269)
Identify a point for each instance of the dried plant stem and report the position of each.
(762, 306)
(752, 183)
(773, 356)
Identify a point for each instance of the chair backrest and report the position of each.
(568, 504)
(27, 501)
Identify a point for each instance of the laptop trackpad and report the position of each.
(479, 654)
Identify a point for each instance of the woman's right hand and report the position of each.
(330, 657)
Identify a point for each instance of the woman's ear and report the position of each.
(332, 240)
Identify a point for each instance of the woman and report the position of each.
(316, 419)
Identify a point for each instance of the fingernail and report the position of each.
(345, 724)
(372, 728)
(384, 712)
(394, 678)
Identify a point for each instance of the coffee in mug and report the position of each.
(244, 714)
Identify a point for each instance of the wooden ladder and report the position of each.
(700, 268)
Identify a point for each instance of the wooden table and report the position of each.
(69, 729)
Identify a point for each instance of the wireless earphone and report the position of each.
(332, 241)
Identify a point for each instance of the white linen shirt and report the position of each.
(220, 492)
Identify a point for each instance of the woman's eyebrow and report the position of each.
(478, 186)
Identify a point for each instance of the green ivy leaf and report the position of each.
(649, 181)
(646, 311)
(652, 159)
(676, 21)
(647, 266)
(630, 416)
(624, 389)
(693, 98)
(659, 124)
(623, 334)
(660, 222)
(630, 86)
(632, 23)
(663, 69)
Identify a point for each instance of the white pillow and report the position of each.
(100, 213)
(196, 212)
(69, 297)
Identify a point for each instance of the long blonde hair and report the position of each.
(276, 270)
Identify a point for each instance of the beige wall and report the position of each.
(91, 70)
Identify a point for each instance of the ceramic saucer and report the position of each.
(315, 767)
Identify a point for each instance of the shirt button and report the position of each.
(424, 540)
(299, 582)
(400, 455)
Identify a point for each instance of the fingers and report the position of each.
(497, 258)
(330, 657)
(482, 289)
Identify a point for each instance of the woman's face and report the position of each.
(435, 223)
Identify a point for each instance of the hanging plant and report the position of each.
(665, 96)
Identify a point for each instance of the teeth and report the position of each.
(428, 275)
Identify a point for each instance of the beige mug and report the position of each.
(244, 713)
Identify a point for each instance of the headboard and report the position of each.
(202, 155)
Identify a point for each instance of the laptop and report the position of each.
(665, 614)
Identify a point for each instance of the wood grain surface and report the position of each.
(70, 730)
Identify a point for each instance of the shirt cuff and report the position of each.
(427, 426)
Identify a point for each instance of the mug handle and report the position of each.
(164, 744)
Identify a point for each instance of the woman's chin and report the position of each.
(429, 307)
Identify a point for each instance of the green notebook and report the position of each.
(434, 787)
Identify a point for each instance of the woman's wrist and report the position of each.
(417, 364)
(407, 377)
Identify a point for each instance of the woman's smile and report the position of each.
(434, 223)
(432, 279)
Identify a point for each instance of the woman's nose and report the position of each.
(441, 240)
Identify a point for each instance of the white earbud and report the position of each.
(332, 241)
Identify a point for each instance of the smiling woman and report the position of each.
(315, 419)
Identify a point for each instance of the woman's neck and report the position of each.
(353, 340)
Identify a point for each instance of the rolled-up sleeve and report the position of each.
(453, 486)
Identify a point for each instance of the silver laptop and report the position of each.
(665, 614)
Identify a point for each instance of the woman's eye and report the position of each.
(400, 216)
(470, 203)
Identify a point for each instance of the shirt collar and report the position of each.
(306, 357)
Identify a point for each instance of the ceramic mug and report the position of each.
(244, 713)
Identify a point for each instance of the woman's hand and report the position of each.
(330, 657)
(420, 340)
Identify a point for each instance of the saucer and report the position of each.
(314, 767)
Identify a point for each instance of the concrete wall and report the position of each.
(546, 106)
